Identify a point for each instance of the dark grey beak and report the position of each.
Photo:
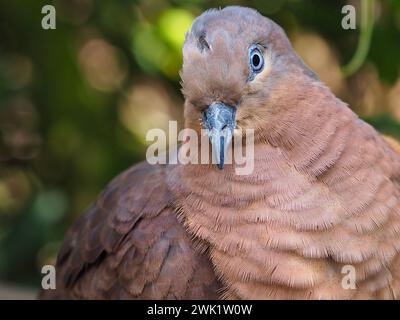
(220, 121)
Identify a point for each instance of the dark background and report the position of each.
(76, 102)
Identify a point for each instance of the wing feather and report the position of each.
(130, 245)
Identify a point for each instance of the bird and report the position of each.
(317, 218)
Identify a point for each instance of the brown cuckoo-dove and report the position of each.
(322, 202)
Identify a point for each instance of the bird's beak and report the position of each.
(220, 121)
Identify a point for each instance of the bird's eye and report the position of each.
(256, 59)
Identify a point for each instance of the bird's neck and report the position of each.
(306, 140)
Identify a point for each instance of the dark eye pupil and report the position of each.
(256, 60)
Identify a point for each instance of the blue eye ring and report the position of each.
(256, 59)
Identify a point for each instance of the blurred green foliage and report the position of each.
(74, 101)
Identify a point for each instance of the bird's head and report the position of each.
(237, 69)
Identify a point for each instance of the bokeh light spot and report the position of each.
(173, 24)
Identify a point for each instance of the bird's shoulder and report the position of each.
(129, 244)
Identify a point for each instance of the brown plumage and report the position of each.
(129, 244)
(325, 191)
